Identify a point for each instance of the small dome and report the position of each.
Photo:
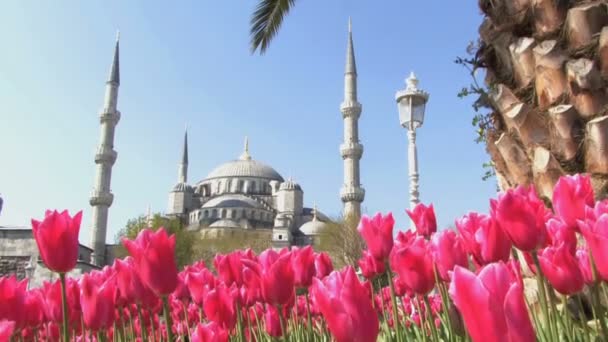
(225, 223)
(313, 227)
(290, 185)
(182, 187)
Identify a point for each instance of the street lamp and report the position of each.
(411, 102)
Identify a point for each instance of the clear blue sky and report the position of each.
(189, 62)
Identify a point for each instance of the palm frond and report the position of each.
(266, 21)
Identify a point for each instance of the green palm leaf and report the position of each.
(266, 21)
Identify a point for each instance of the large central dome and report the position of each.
(245, 168)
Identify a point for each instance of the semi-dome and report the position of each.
(245, 168)
(232, 201)
(225, 223)
(290, 185)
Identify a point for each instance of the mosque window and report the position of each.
(253, 189)
(223, 213)
(214, 213)
(280, 237)
(240, 186)
(206, 214)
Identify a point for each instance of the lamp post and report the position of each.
(411, 102)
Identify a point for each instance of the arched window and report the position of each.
(214, 213)
(253, 189)
(223, 213)
(240, 186)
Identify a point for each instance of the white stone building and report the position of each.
(243, 198)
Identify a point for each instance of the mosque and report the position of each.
(242, 198)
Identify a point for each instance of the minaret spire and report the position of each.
(245, 155)
(101, 198)
(351, 194)
(182, 173)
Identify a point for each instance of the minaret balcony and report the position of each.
(350, 193)
(351, 150)
(106, 156)
(109, 115)
(101, 198)
(351, 109)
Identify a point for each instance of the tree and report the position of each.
(542, 110)
(205, 248)
(184, 239)
(341, 240)
(266, 21)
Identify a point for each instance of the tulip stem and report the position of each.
(431, 321)
(309, 318)
(599, 313)
(543, 297)
(582, 318)
(282, 324)
(239, 322)
(168, 320)
(64, 308)
(142, 325)
(394, 302)
(187, 321)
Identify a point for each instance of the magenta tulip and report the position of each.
(492, 304)
(596, 235)
(370, 266)
(6, 330)
(276, 276)
(154, 255)
(424, 219)
(323, 265)
(57, 239)
(210, 332)
(560, 267)
(571, 195)
(378, 234)
(522, 215)
(97, 302)
(12, 299)
(582, 257)
(448, 251)
(483, 238)
(414, 264)
(346, 307)
(303, 264)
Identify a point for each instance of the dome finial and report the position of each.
(314, 211)
(246, 155)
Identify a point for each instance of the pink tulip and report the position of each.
(130, 287)
(323, 265)
(52, 304)
(424, 219)
(370, 266)
(378, 234)
(12, 299)
(560, 267)
(491, 304)
(571, 195)
(154, 255)
(303, 263)
(276, 276)
(447, 251)
(229, 267)
(483, 238)
(522, 215)
(344, 303)
(57, 240)
(199, 283)
(34, 308)
(596, 235)
(559, 233)
(97, 302)
(6, 330)
(272, 323)
(210, 332)
(414, 264)
(220, 306)
(582, 257)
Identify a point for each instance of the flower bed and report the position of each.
(453, 285)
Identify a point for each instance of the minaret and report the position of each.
(102, 197)
(182, 173)
(352, 194)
